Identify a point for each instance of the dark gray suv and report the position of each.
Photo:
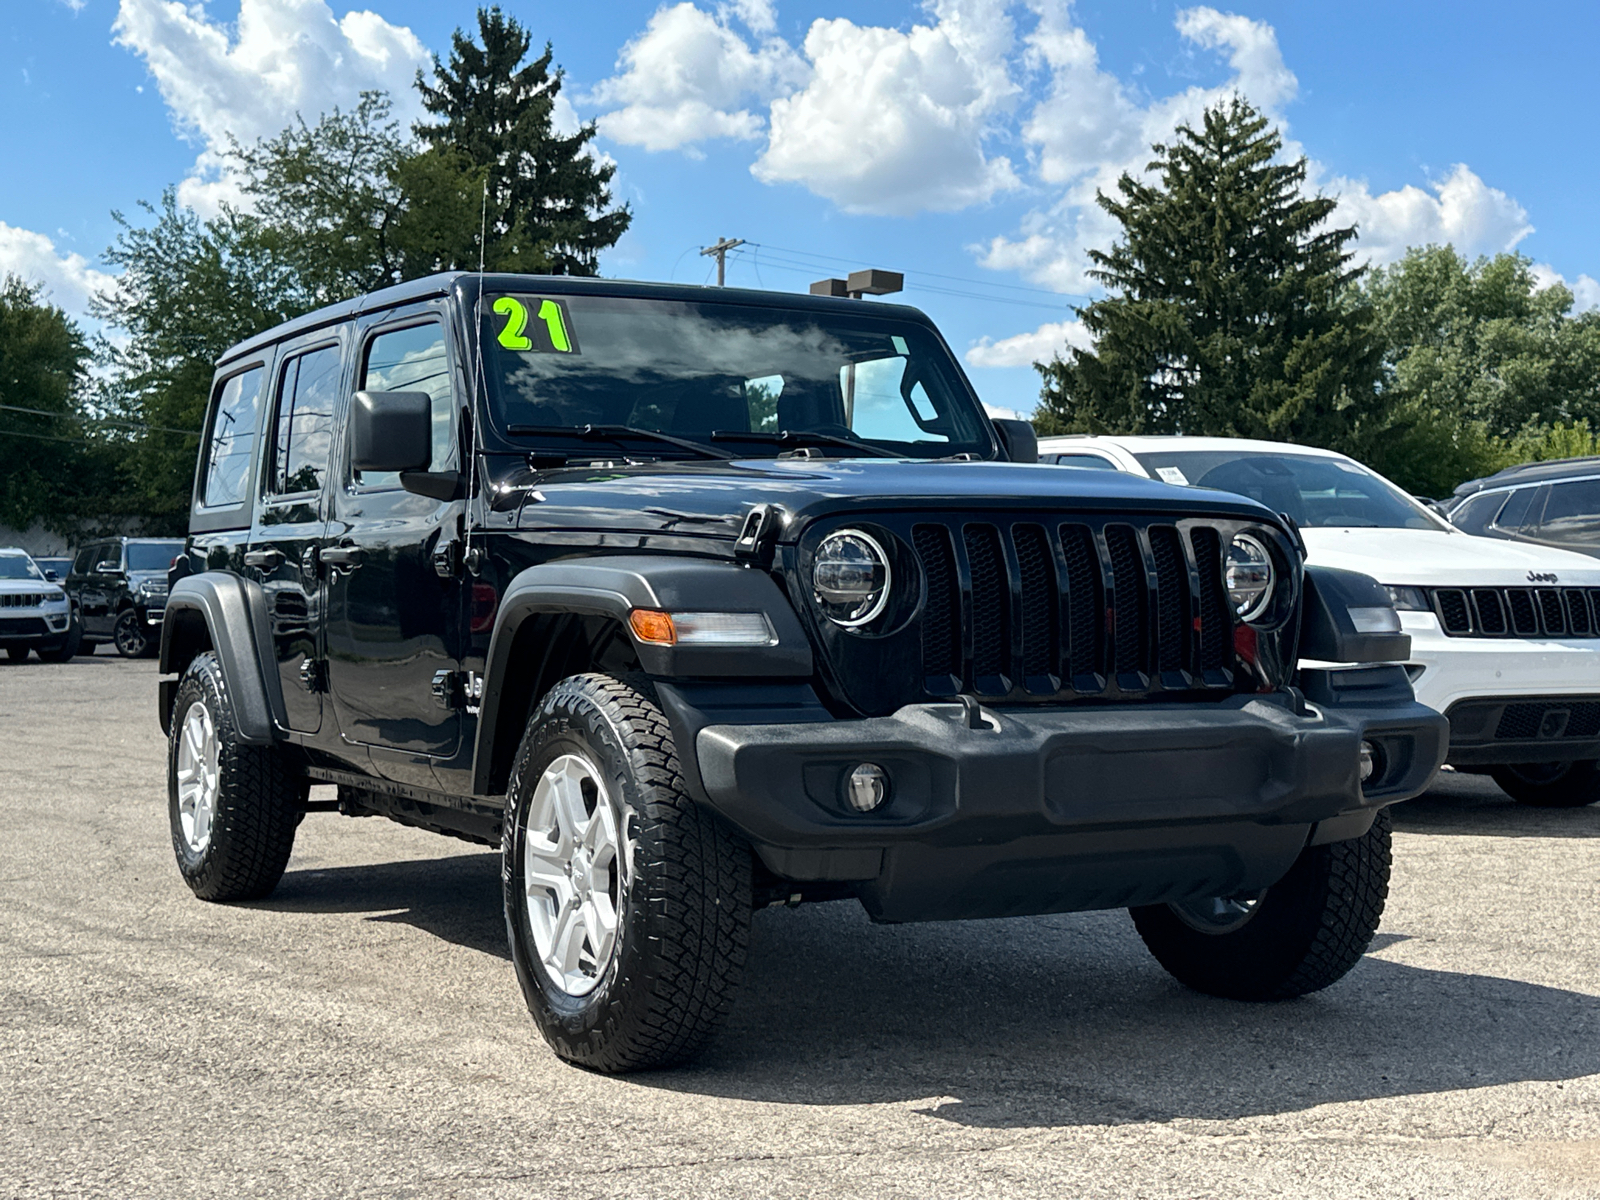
(1549, 503)
(118, 589)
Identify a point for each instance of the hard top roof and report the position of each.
(466, 283)
(1534, 472)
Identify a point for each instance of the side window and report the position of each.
(1572, 513)
(233, 439)
(84, 563)
(412, 359)
(303, 432)
(1515, 515)
(876, 406)
(1476, 514)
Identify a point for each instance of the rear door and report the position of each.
(283, 553)
(395, 592)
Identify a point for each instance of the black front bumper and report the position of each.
(1056, 809)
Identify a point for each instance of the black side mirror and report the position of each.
(49, 576)
(391, 431)
(1017, 439)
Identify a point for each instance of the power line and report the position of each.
(911, 283)
(60, 416)
(41, 437)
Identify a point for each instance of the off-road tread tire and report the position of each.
(1578, 786)
(1311, 927)
(686, 925)
(258, 799)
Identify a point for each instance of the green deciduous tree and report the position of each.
(1230, 309)
(1482, 368)
(549, 200)
(189, 289)
(47, 471)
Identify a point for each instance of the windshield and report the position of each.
(18, 566)
(697, 369)
(1318, 492)
(152, 556)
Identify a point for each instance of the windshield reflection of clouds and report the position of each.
(693, 369)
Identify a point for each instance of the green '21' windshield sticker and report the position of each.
(533, 324)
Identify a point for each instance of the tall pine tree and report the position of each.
(549, 200)
(1231, 311)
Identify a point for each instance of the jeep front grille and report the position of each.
(1517, 612)
(1043, 607)
(23, 600)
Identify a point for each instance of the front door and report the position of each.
(394, 590)
(285, 541)
(102, 568)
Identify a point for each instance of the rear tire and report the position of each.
(233, 808)
(1551, 785)
(627, 905)
(1302, 934)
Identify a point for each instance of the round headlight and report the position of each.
(850, 578)
(1249, 574)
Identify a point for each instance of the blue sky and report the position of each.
(960, 141)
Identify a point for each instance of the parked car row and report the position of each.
(112, 590)
(1505, 634)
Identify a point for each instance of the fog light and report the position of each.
(866, 787)
(1369, 761)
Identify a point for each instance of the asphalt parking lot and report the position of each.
(361, 1034)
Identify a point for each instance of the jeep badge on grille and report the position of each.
(1542, 577)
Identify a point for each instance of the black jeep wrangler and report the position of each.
(697, 600)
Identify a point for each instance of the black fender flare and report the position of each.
(235, 615)
(613, 586)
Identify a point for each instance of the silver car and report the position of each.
(34, 613)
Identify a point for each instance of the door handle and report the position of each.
(342, 558)
(266, 560)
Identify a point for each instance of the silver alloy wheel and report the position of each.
(198, 753)
(574, 872)
(1218, 914)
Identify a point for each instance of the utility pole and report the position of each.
(720, 250)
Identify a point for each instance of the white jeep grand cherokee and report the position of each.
(1505, 636)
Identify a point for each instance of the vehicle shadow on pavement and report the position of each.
(1037, 1022)
(1474, 805)
(1063, 1021)
(455, 898)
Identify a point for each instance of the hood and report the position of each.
(18, 587)
(1434, 558)
(712, 498)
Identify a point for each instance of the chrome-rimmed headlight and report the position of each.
(1250, 576)
(850, 578)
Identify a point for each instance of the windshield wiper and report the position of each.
(615, 433)
(801, 437)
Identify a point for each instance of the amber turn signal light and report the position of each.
(653, 626)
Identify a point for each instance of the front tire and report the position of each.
(67, 648)
(129, 635)
(17, 653)
(627, 905)
(233, 808)
(1551, 785)
(1300, 935)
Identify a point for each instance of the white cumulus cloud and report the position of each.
(69, 281)
(690, 77)
(279, 59)
(895, 122)
(1585, 289)
(1462, 210)
(1024, 349)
